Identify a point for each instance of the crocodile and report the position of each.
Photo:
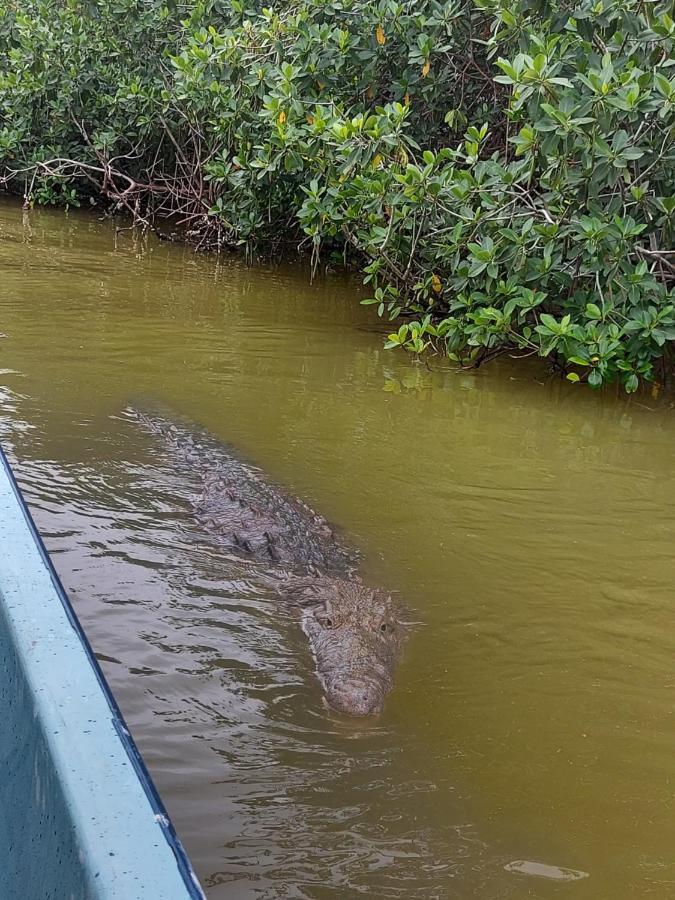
(355, 631)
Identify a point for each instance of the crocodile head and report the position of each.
(355, 637)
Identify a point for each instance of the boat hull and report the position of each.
(80, 818)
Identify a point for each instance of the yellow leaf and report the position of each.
(281, 118)
(310, 119)
(436, 285)
(370, 93)
(426, 68)
(406, 100)
(379, 35)
(377, 161)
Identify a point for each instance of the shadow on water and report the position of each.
(528, 526)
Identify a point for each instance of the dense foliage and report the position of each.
(502, 170)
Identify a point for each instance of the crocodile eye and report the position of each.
(384, 627)
(328, 622)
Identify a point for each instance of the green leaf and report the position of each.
(549, 321)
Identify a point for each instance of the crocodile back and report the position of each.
(244, 510)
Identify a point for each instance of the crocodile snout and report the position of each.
(356, 698)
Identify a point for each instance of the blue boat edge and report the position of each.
(183, 883)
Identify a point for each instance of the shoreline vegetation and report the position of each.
(503, 173)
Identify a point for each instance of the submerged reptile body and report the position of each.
(353, 629)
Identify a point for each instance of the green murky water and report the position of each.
(529, 527)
